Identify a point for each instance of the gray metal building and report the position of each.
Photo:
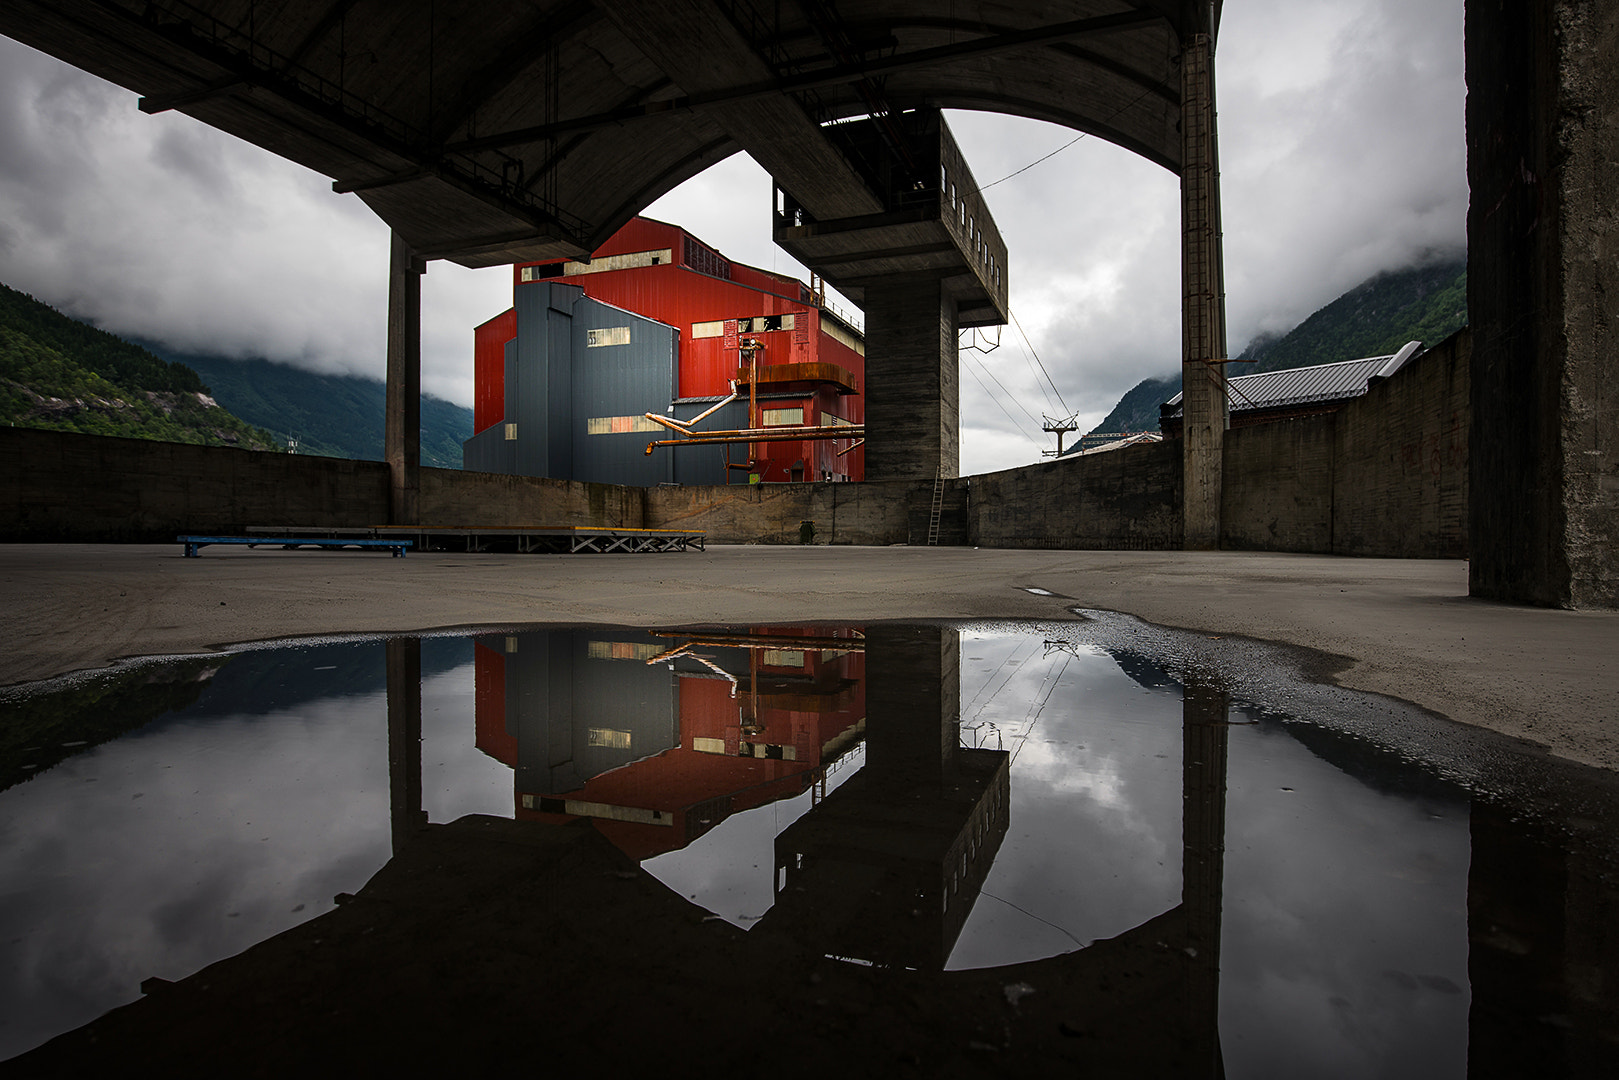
(578, 377)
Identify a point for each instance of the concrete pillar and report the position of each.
(402, 432)
(1543, 301)
(1206, 734)
(913, 702)
(405, 739)
(1203, 350)
(913, 382)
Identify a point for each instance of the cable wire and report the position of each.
(1015, 421)
(1037, 360)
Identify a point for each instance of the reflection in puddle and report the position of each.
(1093, 802)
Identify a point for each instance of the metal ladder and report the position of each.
(937, 511)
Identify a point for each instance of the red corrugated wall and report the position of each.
(681, 297)
(489, 369)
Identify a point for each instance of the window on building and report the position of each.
(613, 740)
(607, 335)
(783, 417)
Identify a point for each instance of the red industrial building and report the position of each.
(659, 737)
(658, 324)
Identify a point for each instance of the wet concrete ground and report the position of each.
(1400, 627)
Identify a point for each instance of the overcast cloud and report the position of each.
(1342, 154)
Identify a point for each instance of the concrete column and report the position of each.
(402, 433)
(405, 739)
(913, 382)
(913, 702)
(1543, 301)
(1203, 351)
(1206, 733)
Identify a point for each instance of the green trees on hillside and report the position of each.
(61, 375)
(95, 350)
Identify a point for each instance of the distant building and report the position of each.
(1103, 443)
(1293, 392)
(655, 322)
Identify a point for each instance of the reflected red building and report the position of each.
(658, 737)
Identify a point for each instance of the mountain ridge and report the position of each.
(1424, 303)
(59, 374)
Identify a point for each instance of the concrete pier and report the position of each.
(1203, 352)
(913, 387)
(402, 431)
(1543, 301)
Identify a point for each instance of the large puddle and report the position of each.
(1337, 885)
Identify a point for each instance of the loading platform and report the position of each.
(523, 539)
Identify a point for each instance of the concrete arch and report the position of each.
(492, 133)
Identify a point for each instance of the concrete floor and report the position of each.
(1400, 627)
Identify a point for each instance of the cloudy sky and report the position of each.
(1342, 154)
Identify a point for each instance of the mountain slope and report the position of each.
(63, 375)
(1137, 410)
(329, 415)
(1376, 317)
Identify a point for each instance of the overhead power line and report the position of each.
(1015, 422)
(1037, 360)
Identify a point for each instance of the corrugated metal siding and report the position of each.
(556, 693)
(489, 369)
(539, 388)
(706, 464)
(619, 381)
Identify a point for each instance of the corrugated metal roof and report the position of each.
(1117, 444)
(1322, 382)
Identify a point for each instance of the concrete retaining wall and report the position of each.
(1400, 476)
(452, 497)
(59, 486)
(1124, 499)
(1386, 475)
(870, 513)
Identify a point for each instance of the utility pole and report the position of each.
(1058, 428)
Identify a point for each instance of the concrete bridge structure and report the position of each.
(487, 134)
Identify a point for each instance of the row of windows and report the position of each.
(975, 235)
(757, 324)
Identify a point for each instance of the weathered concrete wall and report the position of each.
(1125, 499)
(869, 513)
(955, 507)
(1543, 300)
(63, 486)
(1385, 475)
(453, 497)
(1400, 483)
(1277, 491)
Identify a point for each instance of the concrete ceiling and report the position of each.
(489, 133)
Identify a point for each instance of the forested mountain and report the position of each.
(329, 415)
(1137, 410)
(1376, 317)
(62, 375)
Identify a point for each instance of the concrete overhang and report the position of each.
(936, 224)
(532, 130)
